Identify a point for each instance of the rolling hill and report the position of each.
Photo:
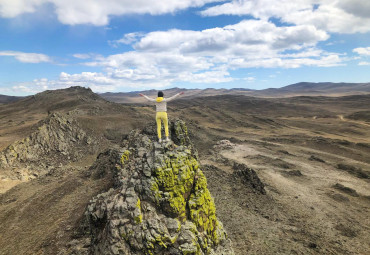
(298, 89)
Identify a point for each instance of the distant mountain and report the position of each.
(133, 97)
(8, 99)
(316, 89)
(54, 100)
(298, 89)
(329, 86)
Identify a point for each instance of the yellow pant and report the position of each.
(161, 116)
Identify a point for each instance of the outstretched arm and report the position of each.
(147, 98)
(175, 96)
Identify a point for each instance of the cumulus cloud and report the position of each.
(362, 51)
(207, 56)
(345, 16)
(247, 36)
(356, 7)
(33, 87)
(194, 51)
(26, 57)
(13, 8)
(96, 12)
(163, 58)
(262, 9)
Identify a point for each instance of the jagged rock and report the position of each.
(178, 132)
(104, 164)
(160, 203)
(249, 177)
(58, 139)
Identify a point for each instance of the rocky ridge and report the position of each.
(159, 202)
(57, 140)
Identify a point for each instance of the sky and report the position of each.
(125, 45)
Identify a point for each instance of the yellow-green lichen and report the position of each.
(177, 203)
(138, 218)
(203, 210)
(181, 132)
(157, 194)
(180, 188)
(125, 156)
(178, 226)
(175, 177)
(127, 235)
(159, 239)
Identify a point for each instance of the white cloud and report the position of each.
(274, 62)
(359, 8)
(82, 56)
(364, 63)
(362, 51)
(262, 9)
(13, 8)
(24, 89)
(249, 79)
(98, 82)
(345, 16)
(127, 39)
(26, 57)
(247, 36)
(5, 90)
(163, 58)
(207, 56)
(247, 41)
(214, 76)
(96, 12)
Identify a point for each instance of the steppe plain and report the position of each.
(310, 152)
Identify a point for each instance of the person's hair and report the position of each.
(160, 94)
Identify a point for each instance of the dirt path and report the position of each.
(341, 117)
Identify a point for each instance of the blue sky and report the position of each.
(124, 45)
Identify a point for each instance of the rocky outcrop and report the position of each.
(159, 204)
(249, 177)
(58, 139)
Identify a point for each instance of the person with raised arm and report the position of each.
(161, 112)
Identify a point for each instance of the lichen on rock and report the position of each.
(161, 204)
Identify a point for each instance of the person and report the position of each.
(161, 112)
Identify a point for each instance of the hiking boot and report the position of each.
(160, 140)
(167, 139)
